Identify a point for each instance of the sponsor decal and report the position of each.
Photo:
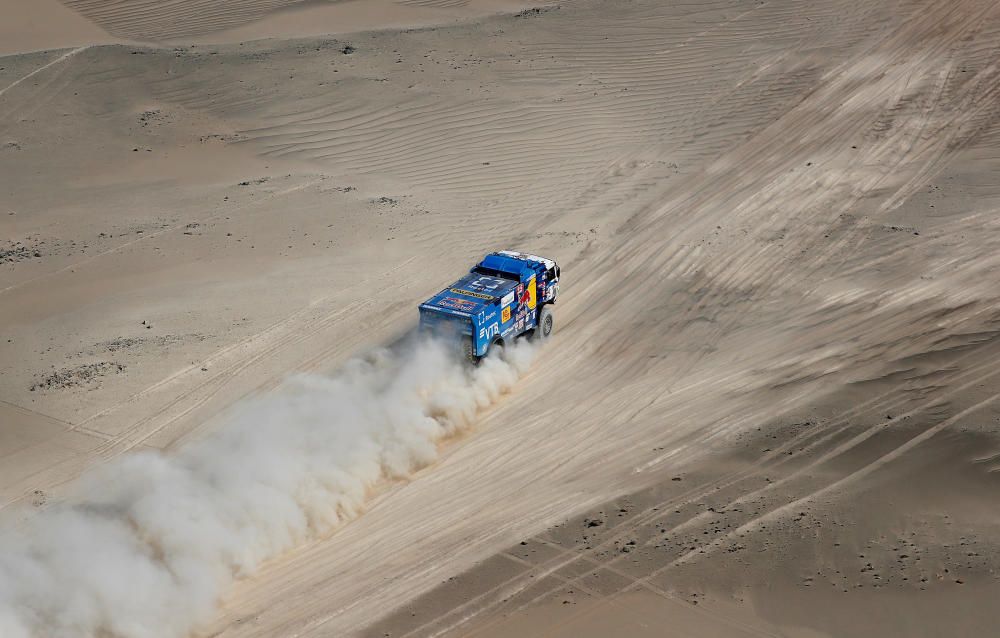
(464, 305)
(469, 293)
(489, 331)
(505, 315)
(507, 299)
(528, 296)
(520, 325)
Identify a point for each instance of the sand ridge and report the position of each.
(239, 20)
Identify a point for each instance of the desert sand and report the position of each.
(769, 407)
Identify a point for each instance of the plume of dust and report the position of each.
(151, 541)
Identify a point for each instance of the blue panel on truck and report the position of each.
(502, 263)
(471, 293)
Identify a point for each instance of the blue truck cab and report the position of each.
(506, 295)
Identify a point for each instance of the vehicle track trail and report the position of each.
(817, 446)
(59, 60)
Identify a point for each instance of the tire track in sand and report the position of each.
(59, 60)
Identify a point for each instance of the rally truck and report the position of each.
(505, 296)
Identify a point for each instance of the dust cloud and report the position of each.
(157, 538)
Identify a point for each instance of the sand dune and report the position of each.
(151, 20)
(45, 24)
(772, 377)
(237, 20)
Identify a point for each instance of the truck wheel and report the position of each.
(545, 325)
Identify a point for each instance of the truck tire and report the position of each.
(469, 351)
(545, 325)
